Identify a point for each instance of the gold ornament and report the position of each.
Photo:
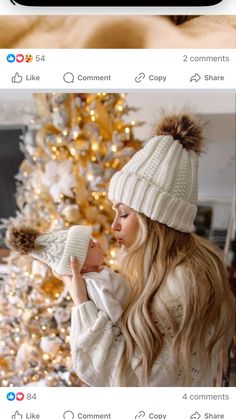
(4, 365)
(52, 286)
(71, 213)
(104, 121)
(81, 191)
(45, 132)
(91, 213)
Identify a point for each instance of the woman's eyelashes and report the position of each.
(124, 215)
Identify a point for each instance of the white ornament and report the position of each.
(50, 345)
(39, 268)
(71, 213)
(58, 178)
(62, 315)
(25, 354)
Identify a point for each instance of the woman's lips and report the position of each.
(120, 241)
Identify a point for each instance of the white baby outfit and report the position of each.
(108, 290)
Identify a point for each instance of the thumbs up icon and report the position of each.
(17, 415)
(17, 78)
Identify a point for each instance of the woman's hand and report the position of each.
(75, 283)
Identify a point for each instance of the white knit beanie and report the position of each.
(161, 180)
(54, 248)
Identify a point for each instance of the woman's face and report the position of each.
(125, 224)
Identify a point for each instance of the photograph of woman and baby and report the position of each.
(166, 315)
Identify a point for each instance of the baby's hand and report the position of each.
(75, 283)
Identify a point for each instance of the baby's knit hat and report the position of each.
(161, 179)
(54, 248)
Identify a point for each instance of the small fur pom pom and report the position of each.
(184, 128)
(21, 238)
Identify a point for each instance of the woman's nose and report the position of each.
(115, 225)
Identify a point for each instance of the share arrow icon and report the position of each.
(196, 415)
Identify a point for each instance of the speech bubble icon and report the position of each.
(69, 77)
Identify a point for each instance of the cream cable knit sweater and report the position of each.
(116, 32)
(97, 344)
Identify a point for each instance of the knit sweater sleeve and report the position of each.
(96, 345)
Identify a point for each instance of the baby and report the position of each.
(107, 289)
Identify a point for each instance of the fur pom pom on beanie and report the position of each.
(161, 179)
(54, 248)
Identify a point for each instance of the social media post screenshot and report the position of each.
(117, 215)
(117, 272)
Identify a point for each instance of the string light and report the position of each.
(94, 146)
(89, 176)
(59, 140)
(73, 151)
(113, 253)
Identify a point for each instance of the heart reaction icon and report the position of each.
(20, 396)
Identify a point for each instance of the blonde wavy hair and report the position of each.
(204, 295)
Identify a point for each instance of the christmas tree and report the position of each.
(74, 145)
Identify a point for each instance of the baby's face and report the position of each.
(95, 256)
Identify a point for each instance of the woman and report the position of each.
(180, 310)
